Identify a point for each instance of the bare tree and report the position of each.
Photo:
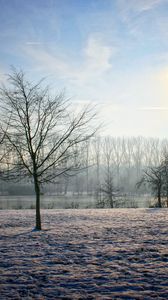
(128, 160)
(164, 165)
(108, 189)
(87, 165)
(107, 152)
(117, 154)
(138, 155)
(153, 177)
(44, 135)
(97, 161)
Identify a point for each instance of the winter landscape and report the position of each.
(83, 149)
(84, 254)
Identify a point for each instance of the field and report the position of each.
(84, 254)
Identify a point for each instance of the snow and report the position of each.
(84, 254)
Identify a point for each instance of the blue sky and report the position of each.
(113, 53)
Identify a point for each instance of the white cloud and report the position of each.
(31, 43)
(132, 102)
(98, 55)
(130, 121)
(147, 5)
(96, 61)
(46, 61)
(129, 6)
(136, 15)
(153, 108)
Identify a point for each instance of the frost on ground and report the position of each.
(84, 254)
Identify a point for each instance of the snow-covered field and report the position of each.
(84, 254)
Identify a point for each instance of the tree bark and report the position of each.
(111, 202)
(38, 215)
(159, 198)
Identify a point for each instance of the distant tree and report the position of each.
(44, 135)
(128, 157)
(153, 177)
(138, 155)
(97, 161)
(115, 151)
(108, 189)
(164, 165)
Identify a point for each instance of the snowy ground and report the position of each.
(84, 254)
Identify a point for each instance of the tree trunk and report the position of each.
(159, 198)
(111, 202)
(167, 194)
(38, 216)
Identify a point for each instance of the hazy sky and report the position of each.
(113, 53)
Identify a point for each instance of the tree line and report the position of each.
(126, 166)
